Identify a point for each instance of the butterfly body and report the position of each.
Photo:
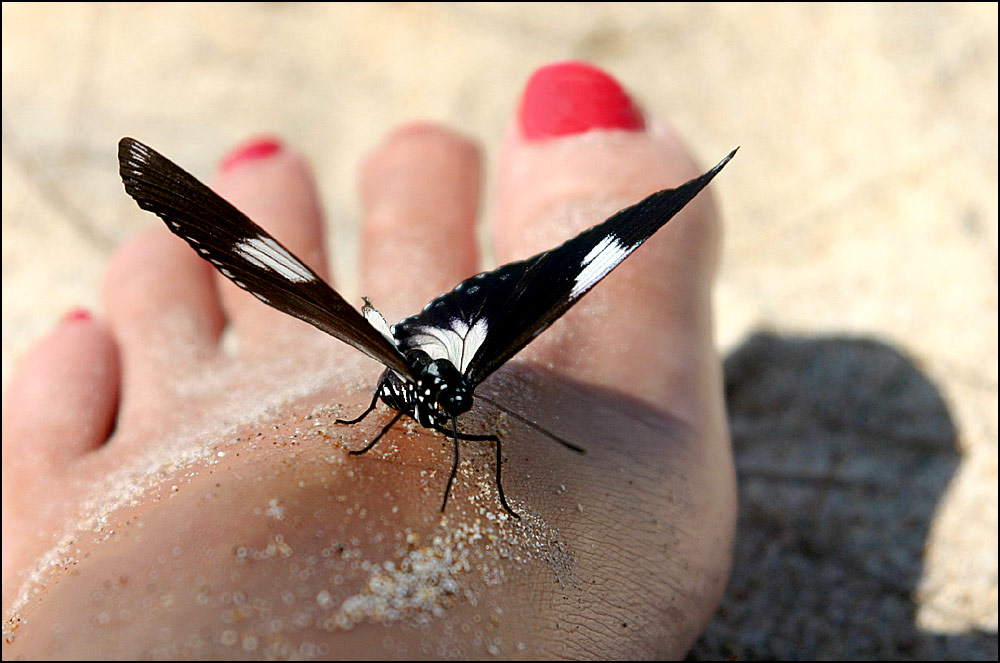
(435, 359)
(439, 394)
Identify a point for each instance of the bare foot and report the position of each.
(163, 497)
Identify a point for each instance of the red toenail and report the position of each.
(258, 148)
(574, 97)
(77, 315)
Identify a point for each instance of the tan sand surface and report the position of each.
(857, 302)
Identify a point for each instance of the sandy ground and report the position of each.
(857, 303)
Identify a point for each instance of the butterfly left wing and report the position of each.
(487, 319)
(244, 252)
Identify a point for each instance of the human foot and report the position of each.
(223, 517)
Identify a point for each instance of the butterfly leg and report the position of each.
(378, 437)
(454, 465)
(363, 414)
(469, 437)
(503, 500)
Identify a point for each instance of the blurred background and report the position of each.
(857, 301)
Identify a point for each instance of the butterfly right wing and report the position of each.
(487, 319)
(244, 252)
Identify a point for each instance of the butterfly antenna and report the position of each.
(532, 425)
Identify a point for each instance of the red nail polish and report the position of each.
(573, 97)
(76, 315)
(258, 148)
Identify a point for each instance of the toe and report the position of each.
(162, 305)
(638, 329)
(420, 191)
(61, 401)
(273, 186)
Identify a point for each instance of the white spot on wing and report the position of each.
(458, 343)
(377, 320)
(601, 259)
(268, 254)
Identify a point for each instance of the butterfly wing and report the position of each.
(244, 252)
(487, 319)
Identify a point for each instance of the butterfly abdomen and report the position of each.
(397, 393)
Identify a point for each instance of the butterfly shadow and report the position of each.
(844, 449)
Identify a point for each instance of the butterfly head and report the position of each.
(443, 387)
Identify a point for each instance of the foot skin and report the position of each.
(167, 494)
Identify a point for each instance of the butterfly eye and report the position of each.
(454, 399)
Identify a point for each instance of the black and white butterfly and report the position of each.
(435, 359)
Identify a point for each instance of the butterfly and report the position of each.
(433, 360)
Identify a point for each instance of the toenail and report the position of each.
(573, 97)
(252, 150)
(76, 315)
